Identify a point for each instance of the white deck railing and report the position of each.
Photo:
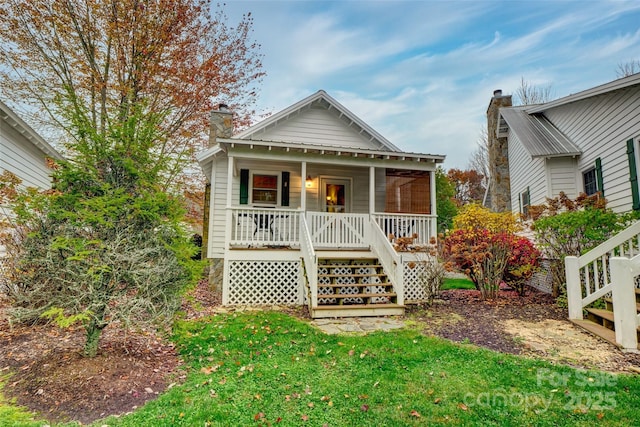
(591, 276)
(310, 261)
(339, 231)
(407, 225)
(391, 260)
(255, 227)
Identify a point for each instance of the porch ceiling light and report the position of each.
(309, 182)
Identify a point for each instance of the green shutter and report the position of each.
(633, 175)
(285, 189)
(599, 176)
(244, 186)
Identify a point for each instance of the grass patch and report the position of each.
(267, 368)
(452, 283)
(12, 415)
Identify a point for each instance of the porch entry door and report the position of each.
(335, 195)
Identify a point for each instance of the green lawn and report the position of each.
(267, 368)
(451, 283)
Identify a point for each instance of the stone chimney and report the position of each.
(221, 124)
(500, 185)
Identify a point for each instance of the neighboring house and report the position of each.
(586, 142)
(301, 207)
(24, 153)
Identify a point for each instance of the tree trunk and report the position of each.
(94, 330)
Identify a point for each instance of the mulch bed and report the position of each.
(462, 316)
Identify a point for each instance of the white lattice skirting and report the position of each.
(264, 282)
(413, 291)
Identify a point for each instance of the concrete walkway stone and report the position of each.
(357, 325)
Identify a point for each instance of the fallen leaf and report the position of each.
(364, 408)
(415, 413)
(304, 417)
(352, 352)
(437, 400)
(310, 405)
(600, 415)
(463, 406)
(258, 416)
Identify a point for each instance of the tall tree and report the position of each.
(479, 159)
(468, 186)
(528, 93)
(445, 192)
(131, 84)
(93, 64)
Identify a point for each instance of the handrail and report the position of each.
(391, 261)
(618, 242)
(310, 260)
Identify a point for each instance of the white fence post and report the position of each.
(574, 287)
(624, 303)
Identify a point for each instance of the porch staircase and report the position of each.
(601, 322)
(352, 287)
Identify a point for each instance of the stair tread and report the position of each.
(605, 314)
(349, 285)
(353, 275)
(382, 294)
(599, 330)
(609, 300)
(350, 265)
(357, 306)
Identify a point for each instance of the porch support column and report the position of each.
(303, 195)
(434, 211)
(227, 233)
(372, 189)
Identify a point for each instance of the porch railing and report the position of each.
(407, 225)
(310, 262)
(255, 227)
(391, 260)
(340, 231)
(591, 276)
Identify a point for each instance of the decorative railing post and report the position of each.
(574, 287)
(624, 303)
(400, 281)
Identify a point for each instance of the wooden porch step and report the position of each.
(357, 310)
(352, 275)
(596, 329)
(349, 265)
(372, 295)
(354, 285)
(609, 304)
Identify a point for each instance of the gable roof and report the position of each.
(265, 130)
(537, 134)
(10, 117)
(618, 84)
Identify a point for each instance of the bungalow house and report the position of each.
(24, 153)
(304, 208)
(585, 142)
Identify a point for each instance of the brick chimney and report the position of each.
(221, 124)
(500, 185)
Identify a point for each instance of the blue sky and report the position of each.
(422, 72)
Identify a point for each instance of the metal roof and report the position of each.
(538, 135)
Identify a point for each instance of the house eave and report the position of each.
(13, 120)
(287, 149)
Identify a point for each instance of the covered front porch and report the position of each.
(316, 225)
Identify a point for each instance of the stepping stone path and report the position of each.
(357, 325)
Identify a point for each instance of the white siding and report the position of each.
(525, 172)
(600, 126)
(20, 156)
(562, 176)
(316, 126)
